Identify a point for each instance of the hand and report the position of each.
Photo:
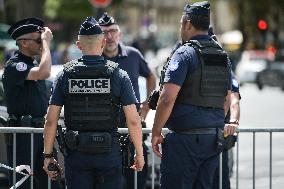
(156, 140)
(46, 35)
(51, 174)
(138, 162)
(230, 128)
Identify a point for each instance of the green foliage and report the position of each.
(74, 10)
(51, 8)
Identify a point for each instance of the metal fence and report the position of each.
(153, 159)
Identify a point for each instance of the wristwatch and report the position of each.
(46, 156)
(234, 121)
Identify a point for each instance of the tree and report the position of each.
(16, 10)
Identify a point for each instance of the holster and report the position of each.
(153, 99)
(126, 151)
(220, 139)
(229, 142)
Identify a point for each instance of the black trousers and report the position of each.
(23, 157)
(141, 175)
(225, 173)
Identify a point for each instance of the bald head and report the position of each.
(91, 44)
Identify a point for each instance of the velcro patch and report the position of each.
(101, 85)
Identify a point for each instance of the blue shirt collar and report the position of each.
(92, 58)
(22, 57)
(200, 37)
(122, 51)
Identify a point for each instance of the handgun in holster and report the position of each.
(153, 99)
(230, 141)
(61, 140)
(220, 139)
(126, 151)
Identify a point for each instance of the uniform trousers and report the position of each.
(225, 173)
(94, 171)
(189, 161)
(23, 157)
(141, 175)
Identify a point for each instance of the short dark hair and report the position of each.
(200, 22)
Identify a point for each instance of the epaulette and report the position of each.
(67, 67)
(111, 66)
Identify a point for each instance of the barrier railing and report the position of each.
(32, 131)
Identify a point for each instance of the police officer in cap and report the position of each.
(93, 91)
(192, 104)
(27, 97)
(133, 62)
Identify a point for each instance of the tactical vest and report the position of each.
(89, 105)
(208, 85)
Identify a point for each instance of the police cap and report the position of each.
(90, 27)
(27, 25)
(198, 8)
(107, 20)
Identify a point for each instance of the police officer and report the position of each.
(133, 62)
(27, 100)
(231, 124)
(92, 90)
(191, 105)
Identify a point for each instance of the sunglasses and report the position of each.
(37, 40)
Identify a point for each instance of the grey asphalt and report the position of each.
(260, 109)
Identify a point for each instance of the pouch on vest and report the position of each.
(94, 143)
(26, 121)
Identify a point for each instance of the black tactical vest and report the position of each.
(89, 105)
(208, 85)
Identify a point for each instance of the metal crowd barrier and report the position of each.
(32, 131)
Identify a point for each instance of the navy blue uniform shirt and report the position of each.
(235, 83)
(184, 61)
(132, 61)
(24, 97)
(120, 84)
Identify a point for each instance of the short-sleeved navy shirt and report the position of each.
(235, 83)
(133, 62)
(120, 84)
(185, 61)
(24, 97)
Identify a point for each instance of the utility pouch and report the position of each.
(26, 121)
(153, 99)
(229, 142)
(220, 139)
(94, 143)
(71, 139)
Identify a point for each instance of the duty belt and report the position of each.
(37, 122)
(201, 131)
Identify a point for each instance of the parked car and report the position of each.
(273, 74)
(251, 63)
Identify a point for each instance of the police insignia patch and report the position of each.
(21, 66)
(101, 85)
(235, 83)
(173, 65)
